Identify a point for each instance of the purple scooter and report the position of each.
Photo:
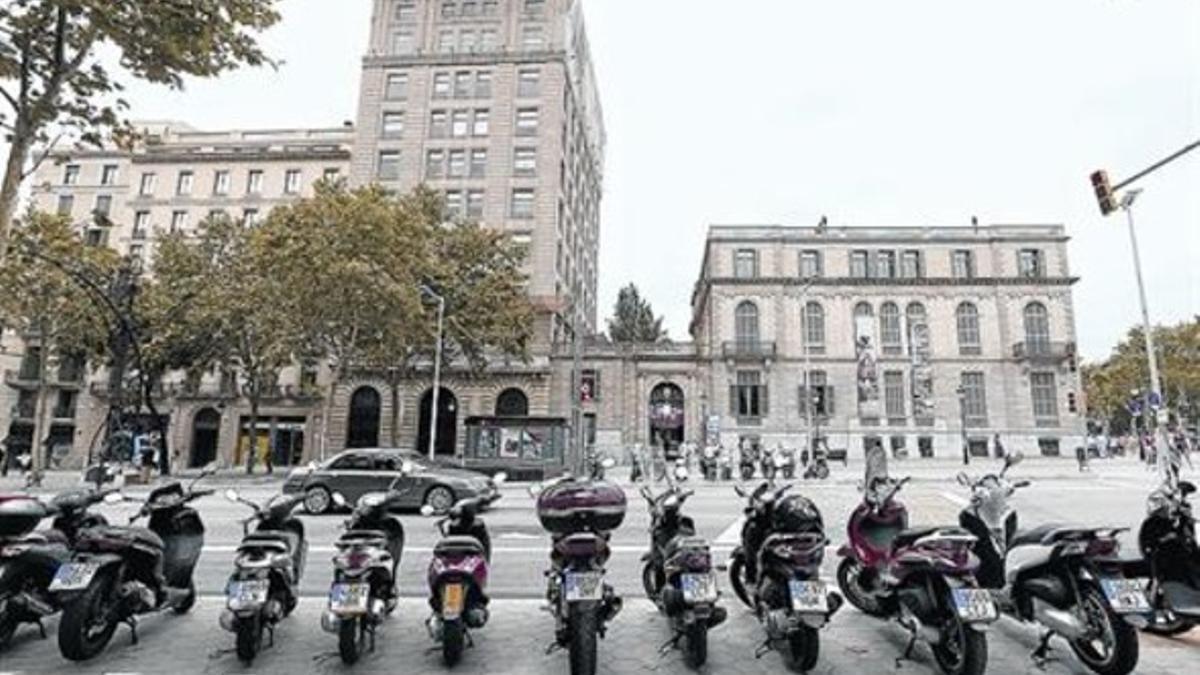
(458, 577)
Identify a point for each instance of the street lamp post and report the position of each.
(962, 423)
(808, 392)
(437, 368)
(1156, 391)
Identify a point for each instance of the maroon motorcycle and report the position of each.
(923, 577)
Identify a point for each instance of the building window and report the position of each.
(406, 10)
(479, 127)
(821, 398)
(1045, 398)
(441, 85)
(438, 124)
(886, 265)
(396, 88)
(221, 182)
(71, 175)
(1030, 264)
(445, 41)
(250, 217)
(462, 84)
(528, 83)
(466, 40)
(389, 165)
(522, 204)
(813, 325)
(291, 181)
(911, 266)
(66, 204)
(254, 182)
(533, 38)
(479, 158)
(525, 161)
(748, 398)
(962, 264)
(745, 326)
(149, 180)
(1037, 328)
(184, 183)
(527, 121)
(890, 333)
(893, 394)
(483, 84)
(589, 387)
(103, 206)
(393, 124)
(974, 399)
(108, 175)
(402, 42)
(967, 318)
(489, 39)
(141, 224)
(859, 264)
(745, 263)
(331, 174)
(475, 199)
(810, 264)
(534, 7)
(460, 122)
(457, 164)
(454, 203)
(179, 221)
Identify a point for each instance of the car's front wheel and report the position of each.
(440, 498)
(317, 500)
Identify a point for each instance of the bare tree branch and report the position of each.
(12, 101)
(45, 154)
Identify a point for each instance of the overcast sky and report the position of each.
(872, 113)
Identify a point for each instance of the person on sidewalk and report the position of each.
(145, 454)
(1081, 457)
(4, 455)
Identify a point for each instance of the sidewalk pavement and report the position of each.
(515, 640)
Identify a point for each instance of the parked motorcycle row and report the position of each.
(942, 584)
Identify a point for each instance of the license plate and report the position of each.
(73, 576)
(974, 604)
(246, 594)
(1125, 596)
(452, 601)
(698, 587)
(348, 599)
(809, 596)
(583, 586)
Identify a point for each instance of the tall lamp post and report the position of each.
(437, 368)
(1156, 390)
(962, 423)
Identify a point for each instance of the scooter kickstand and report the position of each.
(667, 646)
(132, 622)
(41, 628)
(907, 655)
(1041, 655)
(765, 648)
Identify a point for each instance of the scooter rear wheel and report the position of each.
(249, 638)
(350, 640)
(583, 619)
(963, 650)
(695, 648)
(1166, 624)
(8, 626)
(804, 649)
(1119, 649)
(453, 640)
(737, 579)
(83, 631)
(189, 602)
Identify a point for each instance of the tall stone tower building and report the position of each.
(493, 103)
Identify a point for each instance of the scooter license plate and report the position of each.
(809, 596)
(73, 576)
(582, 586)
(698, 587)
(1126, 596)
(246, 594)
(453, 598)
(348, 599)
(974, 604)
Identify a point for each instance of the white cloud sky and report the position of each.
(874, 113)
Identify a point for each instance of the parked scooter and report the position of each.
(580, 515)
(746, 463)
(924, 577)
(265, 585)
(776, 571)
(29, 559)
(708, 462)
(1171, 559)
(1066, 579)
(725, 465)
(363, 592)
(120, 572)
(785, 462)
(458, 576)
(818, 467)
(678, 574)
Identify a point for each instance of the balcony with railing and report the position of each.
(742, 350)
(1043, 351)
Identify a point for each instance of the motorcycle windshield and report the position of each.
(993, 504)
(876, 465)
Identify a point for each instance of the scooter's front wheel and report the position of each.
(804, 648)
(351, 634)
(1111, 646)
(849, 578)
(453, 641)
(87, 624)
(962, 651)
(249, 638)
(739, 581)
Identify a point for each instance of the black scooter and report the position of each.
(265, 585)
(1171, 559)
(118, 573)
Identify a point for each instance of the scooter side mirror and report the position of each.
(232, 495)
(1186, 488)
(608, 462)
(1014, 459)
(338, 499)
(500, 478)
(535, 490)
(963, 479)
(427, 510)
(681, 473)
(114, 498)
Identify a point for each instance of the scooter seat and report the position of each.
(1044, 535)
(1184, 599)
(459, 545)
(363, 538)
(907, 537)
(686, 543)
(283, 542)
(135, 535)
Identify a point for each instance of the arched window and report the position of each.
(363, 429)
(863, 309)
(1037, 328)
(746, 325)
(813, 324)
(512, 403)
(967, 318)
(889, 328)
(914, 314)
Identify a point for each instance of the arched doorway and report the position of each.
(206, 434)
(512, 403)
(666, 415)
(447, 423)
(363, 428)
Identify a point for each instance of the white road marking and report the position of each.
(517, 535)
(620, 548)
(733, 533)
(957, 500)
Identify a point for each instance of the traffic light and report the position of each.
(1104, 192)
(819, 405)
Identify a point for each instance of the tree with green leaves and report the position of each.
(56, 77)
(634, 320)
(43, 301)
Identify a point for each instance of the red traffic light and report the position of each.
(1104, 192)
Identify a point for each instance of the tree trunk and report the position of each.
(18, 155)
(394, 381)
(333, 385)
(37, 451)
(252, 435)
(164, 456)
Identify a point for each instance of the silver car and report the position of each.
(354, 473)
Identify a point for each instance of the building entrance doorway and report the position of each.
(666, 416)
(206, 435)
(446, 442)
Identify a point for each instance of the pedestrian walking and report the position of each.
(635, 464)
(1081, 457)
(4, 455)
(144, 450)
